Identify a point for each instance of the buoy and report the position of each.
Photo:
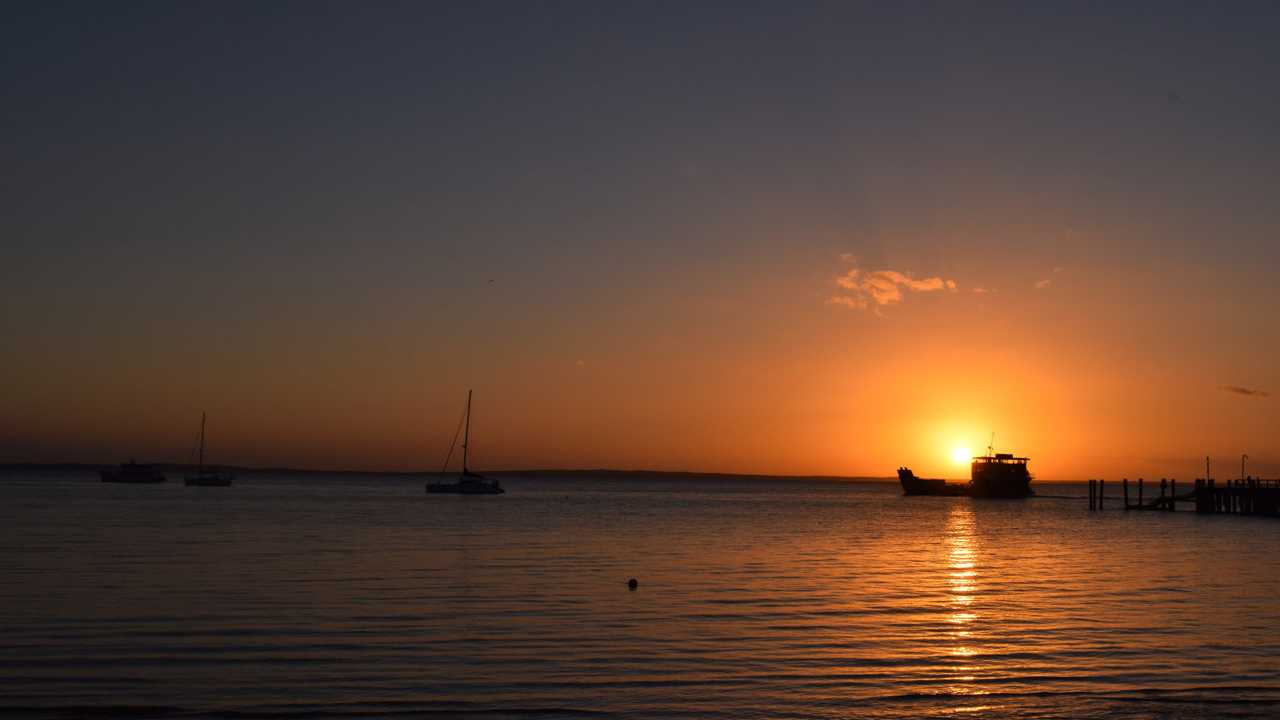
(632, 584)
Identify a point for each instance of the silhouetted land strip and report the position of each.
(544, 473)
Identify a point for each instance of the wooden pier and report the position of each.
(1245, 496)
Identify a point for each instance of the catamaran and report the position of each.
(207, 479)
(468, 483)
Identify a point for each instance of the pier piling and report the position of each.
(1235, 496)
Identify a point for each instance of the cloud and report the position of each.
(581, 363)
(1236, 389)
(1042, 284)
(882, 287)
(982, 291)
(849, 302)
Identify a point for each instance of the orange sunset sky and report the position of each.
(824, 241)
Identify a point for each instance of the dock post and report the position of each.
(1139, 493)
(1093, 497)
(1125, 483)
(1163, 483)
(1173, 494)
(1102, 491)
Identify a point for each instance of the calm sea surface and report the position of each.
(362, 597)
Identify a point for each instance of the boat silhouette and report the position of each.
(468, 483)
(994, 475)
(132, 472)
(912, 485)
(207, 479)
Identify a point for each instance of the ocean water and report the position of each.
(325, 596)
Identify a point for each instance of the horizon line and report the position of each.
(88, 466)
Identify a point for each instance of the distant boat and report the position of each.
(132, 472)
(994, 475)
(468, 483)
(207, 479)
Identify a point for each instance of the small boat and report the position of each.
(994, 475)
(132, 472)
(207, 479)
(468, 483)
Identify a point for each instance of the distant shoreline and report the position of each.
(8, 468)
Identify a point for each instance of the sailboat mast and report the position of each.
(466, 439)
(202, 419)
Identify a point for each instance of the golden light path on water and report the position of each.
(962, 560)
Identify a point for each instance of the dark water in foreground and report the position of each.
(344, 597)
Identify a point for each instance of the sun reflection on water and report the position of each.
(962, 575)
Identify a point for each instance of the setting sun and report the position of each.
(960, 455)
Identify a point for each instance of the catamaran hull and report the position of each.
(468, 484)
(464, 489)
(209, 481)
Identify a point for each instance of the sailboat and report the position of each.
(207, 479)
(468, 483)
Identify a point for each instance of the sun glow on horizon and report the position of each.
(960, 455)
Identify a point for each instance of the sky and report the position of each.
(781, 238)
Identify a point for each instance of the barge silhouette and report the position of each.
(994, 475)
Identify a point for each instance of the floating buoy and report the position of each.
(632, 584)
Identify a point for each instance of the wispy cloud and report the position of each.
(882, 287)
(1238, 390)
(1042, 284)
(982, 291)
